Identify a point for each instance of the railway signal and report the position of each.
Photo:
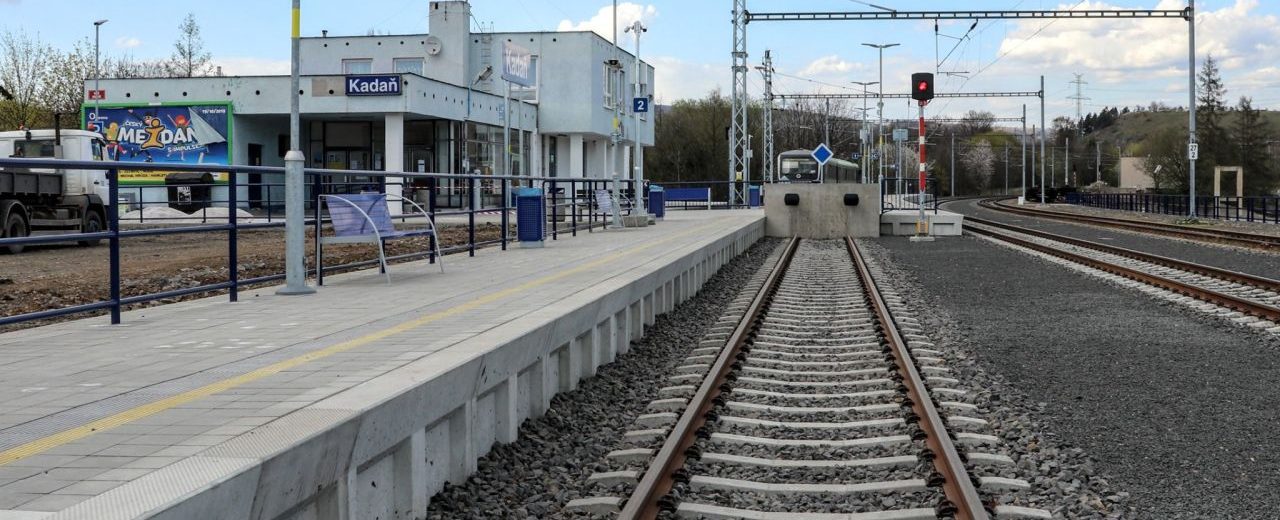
(922, 86)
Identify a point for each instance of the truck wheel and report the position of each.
(15, 226)
(92, 224)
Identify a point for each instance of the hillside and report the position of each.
(1136, 127)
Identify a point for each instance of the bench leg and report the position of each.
(382, 261)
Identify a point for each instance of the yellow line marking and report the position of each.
(74, 434)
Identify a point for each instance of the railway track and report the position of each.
(1218, 236)
(1242, 297)
(818, 403)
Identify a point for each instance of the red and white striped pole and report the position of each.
(922, 227)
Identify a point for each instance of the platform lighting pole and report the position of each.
(953, 164)
(866, 136)
(1042, 141)
(295, 269)
(638, 28)
(97, 76)
(880, 106)
(1024, 151)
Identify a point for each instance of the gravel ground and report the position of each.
(1247, 261)
(548, 466)
(1108, 393)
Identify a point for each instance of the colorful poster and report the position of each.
(164, 134)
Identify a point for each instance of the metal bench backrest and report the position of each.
(347, 221)
(687, 194)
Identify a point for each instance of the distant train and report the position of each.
(800, 166)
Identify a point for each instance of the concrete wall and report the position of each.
(822, 213)
(1133, 175)
(386, 446)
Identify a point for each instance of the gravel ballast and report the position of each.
(548, 465)
(1258, 263)
(1118, 398)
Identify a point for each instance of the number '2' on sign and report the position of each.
(640, 105)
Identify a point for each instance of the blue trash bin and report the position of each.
(657, 202)
(753, 196)
(530, 224)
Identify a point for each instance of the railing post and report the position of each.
(317, 189)
(431, 217)
(233, 237)
(506, 196)
(113, 225)
(473, 201)
(555, 213)
(573, 207)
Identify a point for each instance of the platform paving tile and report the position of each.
(165, 351)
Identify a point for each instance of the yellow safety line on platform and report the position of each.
(58, 439)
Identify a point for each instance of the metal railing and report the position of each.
(481, 195)
(1243, 209)
(902, 193)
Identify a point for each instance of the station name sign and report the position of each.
(379, 85)
(517, 64)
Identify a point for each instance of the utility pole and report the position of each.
(766, 70)
(953, 164)
(1097, 167)
(880, 103)
(1191, 93)
(1079, 99)
(1053, 165)
(1024, 152)
(1042, 141)
(97, 76)
(295, 239)
(1033, 155)
(1006, 168)
(863, 133)
(1066, 164)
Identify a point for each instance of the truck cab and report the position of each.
(51, 201)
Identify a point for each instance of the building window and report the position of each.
(610, 87)
(362, 66)
(407, 65)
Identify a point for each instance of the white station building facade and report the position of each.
(435, 102)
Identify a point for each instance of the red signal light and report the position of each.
(923, 86)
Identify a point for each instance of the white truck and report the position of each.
(39, 201)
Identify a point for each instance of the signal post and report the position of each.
(922, 92)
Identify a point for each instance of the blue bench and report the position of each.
(365, 219)
(688, 195)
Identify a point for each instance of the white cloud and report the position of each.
(829, 66)
(1119, 50)
(128, 42)
(602, 22)
(677, 79)
(242, 66)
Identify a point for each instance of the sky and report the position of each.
(1124, 62)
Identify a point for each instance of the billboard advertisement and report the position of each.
(163, 134)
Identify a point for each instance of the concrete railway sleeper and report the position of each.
(1243, 299)
(812, 400)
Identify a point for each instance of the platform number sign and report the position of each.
(640, 105)
(1193, 151)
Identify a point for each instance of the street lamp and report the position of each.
(866, 157)
(638, 28)
(880, 100)
(97, 98)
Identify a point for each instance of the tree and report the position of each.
(978, 161)
(189, 57)
(1166, 159)
(64, 84)
(24, 62)
(1251, 134)
(976, 122)
(1213, 139)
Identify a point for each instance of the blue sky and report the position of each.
(1125, 62)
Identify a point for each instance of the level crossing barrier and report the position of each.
(446, 195)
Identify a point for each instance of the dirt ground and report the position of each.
(59, 276)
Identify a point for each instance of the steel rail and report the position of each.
(1219, 236)
(645, 501)
(1260, 310)
(958, 485)
(1201, 269)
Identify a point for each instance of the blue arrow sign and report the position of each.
(822, 154)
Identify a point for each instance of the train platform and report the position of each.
(360, 401)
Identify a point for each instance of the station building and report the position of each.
(433, 102)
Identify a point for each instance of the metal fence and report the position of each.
(903, 193)
(1244, 209)
(571, 208)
